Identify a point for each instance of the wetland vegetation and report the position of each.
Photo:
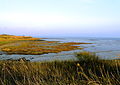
(33, 46)
(89, 69)
(85, 71)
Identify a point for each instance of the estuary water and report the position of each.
(105, 48)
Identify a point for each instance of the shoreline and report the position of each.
(37, 44)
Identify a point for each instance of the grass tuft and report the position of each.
(87, 56)
(82, 72)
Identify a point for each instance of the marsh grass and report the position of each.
(39, 47)
(27, 45)
(6, 39)
(88, 70)
(87, 56)
(81, 72)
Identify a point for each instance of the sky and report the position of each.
(60, 18)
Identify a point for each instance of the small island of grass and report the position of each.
(27, 45)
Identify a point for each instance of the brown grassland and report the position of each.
(33, 46)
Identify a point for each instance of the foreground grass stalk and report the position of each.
(85, 71)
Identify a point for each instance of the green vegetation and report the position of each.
(7, 39)
(88, 70)
(4, 42)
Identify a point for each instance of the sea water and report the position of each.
(105, 48)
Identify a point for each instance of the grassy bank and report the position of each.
(7, 39)
(88, 70)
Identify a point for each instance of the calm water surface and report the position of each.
(106, 48)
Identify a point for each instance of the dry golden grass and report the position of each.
(39, 47)
(6, 39)
(81, 72)
(32, 46)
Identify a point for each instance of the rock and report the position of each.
(22, 59)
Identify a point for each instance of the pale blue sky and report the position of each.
(86, 18)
